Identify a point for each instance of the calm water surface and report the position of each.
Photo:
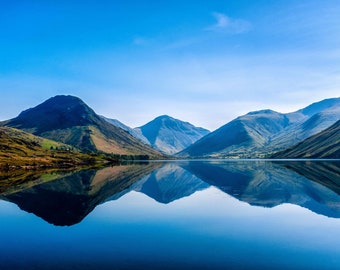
(173, 215)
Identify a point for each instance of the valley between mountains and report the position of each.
(63, 131)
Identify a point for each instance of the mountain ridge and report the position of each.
(257, 134)
(136, 133)
(261, 133)
(325, 144)
(69, 120)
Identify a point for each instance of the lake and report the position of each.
(203, 214)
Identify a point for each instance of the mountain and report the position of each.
(22, 149)
(135, 133)
(325, 144)
(236, 138)
(307, 122)
(170, 135)
(260, 133)
(69, 120)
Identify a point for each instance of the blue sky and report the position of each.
(205, 62)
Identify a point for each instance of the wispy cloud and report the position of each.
(140, 41)
(227, 25)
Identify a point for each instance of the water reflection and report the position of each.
(169, 183)
(313, 185)
(65, 198)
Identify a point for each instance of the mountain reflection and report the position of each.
(170, 183)
(311, 184)
(66, 198)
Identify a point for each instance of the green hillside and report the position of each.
(69, 120)
(22, 149)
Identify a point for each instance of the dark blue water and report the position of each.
(178, 215)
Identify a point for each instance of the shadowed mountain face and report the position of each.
(258, 133)
(60, 112)
(170, 135)
(65, 199)
(69, 120)
(134, 132)
(245, 132)
(325, 144)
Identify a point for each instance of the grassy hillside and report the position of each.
(69, 120)
(325, 144)
(21, 149)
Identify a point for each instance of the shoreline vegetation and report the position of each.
(21, 150)
(65, 160)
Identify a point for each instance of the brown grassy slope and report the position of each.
(69, 120)
(21, 149)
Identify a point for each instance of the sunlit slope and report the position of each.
(69, 120)
(19, 149)
(262, 133)
(170, 135)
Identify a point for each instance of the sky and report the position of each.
(205, 62)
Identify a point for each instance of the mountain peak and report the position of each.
(171, 135)
(58, 112)
(65, 98)
(164, 118)
(265, 111)
(69, 120)
(62, 100)
(259, 132)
